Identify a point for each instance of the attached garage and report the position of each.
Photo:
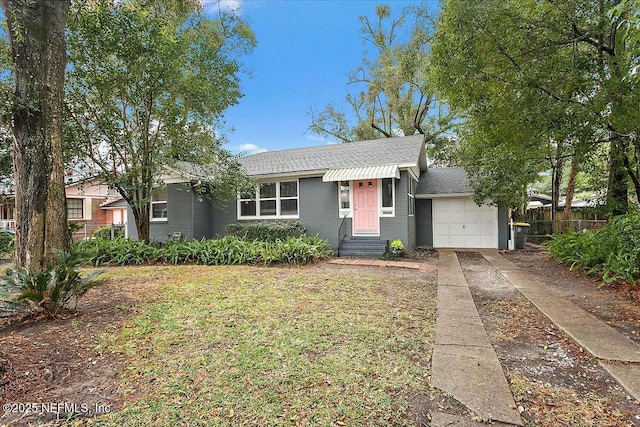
(459, 223)
(448, 217)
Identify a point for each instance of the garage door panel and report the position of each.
(487, 232)
(456, 204)
(456, 217)
(460, 223)
(457, 241)
(487, 218)
(472, 229)
(487, 241)
(470, 216)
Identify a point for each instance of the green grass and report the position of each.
(275, 346)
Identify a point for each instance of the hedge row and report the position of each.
(612, 252)
(267, 231)
(226, 250)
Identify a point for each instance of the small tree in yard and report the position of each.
(148, 87)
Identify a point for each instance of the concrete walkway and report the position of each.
(619, 355)
(464, 364)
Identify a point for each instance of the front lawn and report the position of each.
(319, 345)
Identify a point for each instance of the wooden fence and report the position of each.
(542, 228)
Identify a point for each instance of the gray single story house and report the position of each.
(358, 195)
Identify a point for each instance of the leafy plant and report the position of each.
(228, 250)
(105, 232)
(397, 245)
(266, 231)
(612, 252)
(73, 226)
(119, 251)
(6, 242)
(51, 289)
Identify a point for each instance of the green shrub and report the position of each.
(6, 242)
(119, 251)
(295, 250)
(266, 231)
(612, 252)
(228, 250)
(105, 232)
(73, 226)
(51, 289)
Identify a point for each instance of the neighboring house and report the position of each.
(539, 208)
(86, 201)
(7, 206)
(118, 209)
(7, 214)
(363, 192)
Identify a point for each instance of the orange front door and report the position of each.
(365, 207)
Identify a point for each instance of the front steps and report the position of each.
(363, 247)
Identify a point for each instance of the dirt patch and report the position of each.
(553, 380)
(53, 369)
(618, 306)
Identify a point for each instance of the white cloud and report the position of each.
(252, 148)
(212, 6)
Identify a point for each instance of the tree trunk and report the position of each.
(571, 186)
(141, 218)
(618, 188)
(633, 175)
(556, 182)
(37, 34)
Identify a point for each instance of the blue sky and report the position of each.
(306, 48)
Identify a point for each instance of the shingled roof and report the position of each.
(451, 180)
(406, 151)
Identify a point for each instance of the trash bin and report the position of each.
(521, 234)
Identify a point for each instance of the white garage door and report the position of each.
(460, 223)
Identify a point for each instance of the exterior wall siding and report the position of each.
(397, 227)
(411, 231)
(178, 216)
(424, 222)
(318, 208)
(503, 229)
(202, 218)
(221, 217)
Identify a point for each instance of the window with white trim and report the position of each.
(344, 198)
(271, 200)
(75, 208)
(159, 204)
(412, 196)
(387, 197)
(288, 198)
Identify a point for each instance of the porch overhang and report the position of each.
(365, 172)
